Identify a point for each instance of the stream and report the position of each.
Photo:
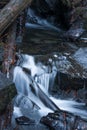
(35, 75)
(33, 81)
(50, 76)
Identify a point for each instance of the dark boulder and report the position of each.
(63, 121)
(24, 121)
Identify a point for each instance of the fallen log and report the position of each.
(10, 12)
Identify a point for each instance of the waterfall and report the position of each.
(30, 85)
(32, 89)
(39, 72)
(43, 81)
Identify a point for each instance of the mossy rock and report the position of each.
(6, 95)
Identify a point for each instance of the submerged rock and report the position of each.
(24, 121)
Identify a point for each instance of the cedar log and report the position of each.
(10, 12)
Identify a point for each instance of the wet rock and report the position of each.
(74, 34)
(25, 103)
(24, 121)
(63, 120)
(56, 121)
(50, 122)
(81, 57)
(67, 82)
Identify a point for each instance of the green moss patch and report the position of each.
(6, 95)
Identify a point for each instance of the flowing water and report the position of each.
(32, 82)
(35, 21)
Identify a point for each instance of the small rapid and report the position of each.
(33, 82)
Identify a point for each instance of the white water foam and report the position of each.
(69, 106)
(22, 82)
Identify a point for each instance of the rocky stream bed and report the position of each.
(67, 48)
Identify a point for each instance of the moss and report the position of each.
(85, 24)
(1, 44)
(79, 10)
(6, 95)
(67, 3)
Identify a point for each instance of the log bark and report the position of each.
(9, 50)
(10, 12)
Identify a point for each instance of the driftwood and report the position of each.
(10, 12)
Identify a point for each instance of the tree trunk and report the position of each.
(10, 12)
(9, 50)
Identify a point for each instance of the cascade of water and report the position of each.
(29, 63)
(30, 88)
(43, 81)
(39, 72)
(26, 85)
